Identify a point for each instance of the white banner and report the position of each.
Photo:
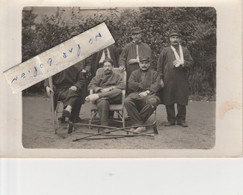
(58, 58)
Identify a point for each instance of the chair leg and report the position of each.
(53, 112)
(155, 125)
(56, 124)
(155, 128)
(123, 120)
(90, 120)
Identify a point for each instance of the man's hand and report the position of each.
(143, 94)
(92, 97)
(74, 88)
(122, 68)
(83, 71)
(162, 83)
(97, 89)
(132, 61)
(178, 63)
(49, 91)
(106, 89)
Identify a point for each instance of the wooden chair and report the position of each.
(55, 109)
(117, 108)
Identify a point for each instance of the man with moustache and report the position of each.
(107, 88)
(129, 58)
(140, 104)
(98, 58)
(97, 61)
(172, 66)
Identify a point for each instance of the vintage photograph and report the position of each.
(154, 88)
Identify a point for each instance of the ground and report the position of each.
(38, 131)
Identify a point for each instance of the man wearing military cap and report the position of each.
(129, 58)
(144, 84)
(172, 66)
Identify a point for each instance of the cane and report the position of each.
(118, 136)
(70, 126)
(117, 129)
(52, 105)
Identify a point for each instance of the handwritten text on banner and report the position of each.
(58, 58)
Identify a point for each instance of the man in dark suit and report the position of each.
(144, 84)
(68, 87)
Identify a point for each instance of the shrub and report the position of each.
(197, 26)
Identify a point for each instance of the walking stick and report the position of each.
(117, 129)
(118, 136)
(70, 126)
(52, 105)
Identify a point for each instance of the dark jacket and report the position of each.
(176, 88)
(101, 81)
(67, 78)
(151, 81)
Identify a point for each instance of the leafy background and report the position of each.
(42, 30)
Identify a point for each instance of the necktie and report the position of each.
(137, 52)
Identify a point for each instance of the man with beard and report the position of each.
(107, 88)
(140, 104)
(129, 58)
(172, 66)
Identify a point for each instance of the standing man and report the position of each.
(107, 88)
(140, 104)
(172, 66)
(129, 58)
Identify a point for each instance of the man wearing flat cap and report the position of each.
(144, 84)
(172, 66)
(129, 58)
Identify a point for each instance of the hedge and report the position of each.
(196, 24)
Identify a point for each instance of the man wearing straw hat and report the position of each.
(172, 66)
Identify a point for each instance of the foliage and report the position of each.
(197, 26)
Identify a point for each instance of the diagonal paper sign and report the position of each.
(58, 58)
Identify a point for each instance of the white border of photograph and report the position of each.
(228, 95)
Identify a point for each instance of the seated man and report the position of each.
(68, 87)
(144, 83)
(107, 89)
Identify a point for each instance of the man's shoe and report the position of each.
(128, 118)
(103, 130)
(77, 120)
(62, 119)
(66, 113)
(140, 130)
(111, 114)
(131, 130)
(168, 124)
(183, 124)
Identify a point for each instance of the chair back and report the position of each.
(122, 73)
